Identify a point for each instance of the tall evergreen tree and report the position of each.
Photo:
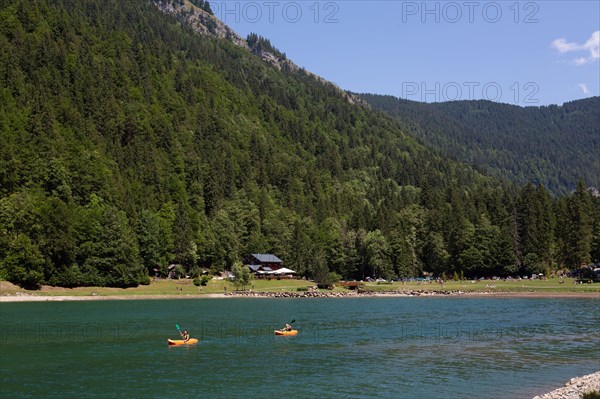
(577, 230)
(149, 242)
(535, 226)
(595, 247)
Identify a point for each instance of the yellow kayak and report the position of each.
(283, 332)
(191, 341)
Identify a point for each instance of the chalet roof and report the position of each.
(267, 258)
(260, 269)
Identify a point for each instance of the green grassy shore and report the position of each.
(185, 287)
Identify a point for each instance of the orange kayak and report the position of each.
(282, 332)
(191, 341)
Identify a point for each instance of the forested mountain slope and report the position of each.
(129, 142)
(550, 145)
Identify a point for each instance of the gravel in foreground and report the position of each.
(575, 387)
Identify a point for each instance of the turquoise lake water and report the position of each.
(347, 348)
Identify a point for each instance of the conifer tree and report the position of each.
(577, 232)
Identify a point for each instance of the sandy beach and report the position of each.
(63, 298)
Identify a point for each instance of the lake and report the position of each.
(347, 348)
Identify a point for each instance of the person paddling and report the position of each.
(287, 327)
(185, 335)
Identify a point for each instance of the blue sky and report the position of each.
(518, 52)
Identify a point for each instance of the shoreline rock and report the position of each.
(575, 387)
(406, 293)
(354, 294)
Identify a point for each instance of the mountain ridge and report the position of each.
(207, 24)
(551, 145)
(484, 154)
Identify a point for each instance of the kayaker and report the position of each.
(287, 327)
(185, 335)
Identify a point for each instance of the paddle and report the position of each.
(178, 329)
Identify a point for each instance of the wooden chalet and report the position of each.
(267, 266)
(264, 260)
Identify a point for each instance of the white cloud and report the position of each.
(562, 46)
(584, 88)
(592, 45)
